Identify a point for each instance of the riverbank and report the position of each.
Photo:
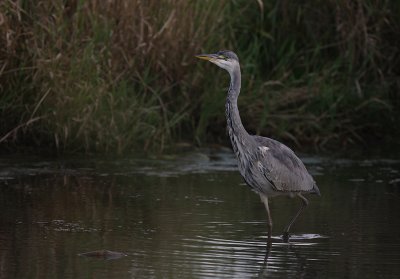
(120, 77)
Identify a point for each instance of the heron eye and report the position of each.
(222, 57)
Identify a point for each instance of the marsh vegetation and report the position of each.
(120, 76)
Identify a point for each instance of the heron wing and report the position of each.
(282, 168)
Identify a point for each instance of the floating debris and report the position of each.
(103, 254)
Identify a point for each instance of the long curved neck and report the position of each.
(235, 126)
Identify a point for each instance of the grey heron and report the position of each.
(269, 167)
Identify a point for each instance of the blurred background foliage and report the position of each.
(120, 76)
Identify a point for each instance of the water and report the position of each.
(191, 216)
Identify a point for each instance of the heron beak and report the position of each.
(207, 57)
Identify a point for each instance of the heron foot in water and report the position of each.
(285, 237)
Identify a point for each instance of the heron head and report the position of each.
(225, 59)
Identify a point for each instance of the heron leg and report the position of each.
(287, 228)
(269, 221)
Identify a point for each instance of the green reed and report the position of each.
(120, 76)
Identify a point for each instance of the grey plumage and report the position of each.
(269, 167)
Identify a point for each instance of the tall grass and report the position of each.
(328, 70)
(120, 75)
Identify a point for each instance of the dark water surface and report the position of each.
(192, 217)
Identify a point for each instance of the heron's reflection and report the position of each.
(290, 252)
